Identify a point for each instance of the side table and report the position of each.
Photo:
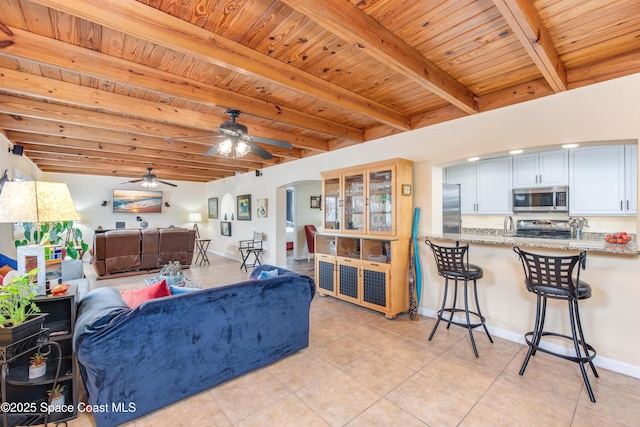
(201, 246)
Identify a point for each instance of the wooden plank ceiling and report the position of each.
(112, 87)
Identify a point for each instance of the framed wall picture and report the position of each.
(244, 207)
(213, 207)
(262, 208)
(316, 202)
(225, 228)
(406, 189)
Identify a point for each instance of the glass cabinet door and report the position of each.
(381, 201)
(332, 203)
(354, 204)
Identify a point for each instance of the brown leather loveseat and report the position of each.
(119, 251)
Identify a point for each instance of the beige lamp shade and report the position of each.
(195, 217)
(36, 201)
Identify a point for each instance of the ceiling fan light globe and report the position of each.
(242, 149)
(149, 184)
(225, 147)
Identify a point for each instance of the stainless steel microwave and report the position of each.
(549, 199)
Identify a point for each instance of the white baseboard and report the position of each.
(600, 361)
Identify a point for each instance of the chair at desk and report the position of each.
(248, 247)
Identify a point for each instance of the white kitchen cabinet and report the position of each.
(603, 180)
(543, 169)
(485, 186)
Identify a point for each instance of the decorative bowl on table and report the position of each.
(621, 238)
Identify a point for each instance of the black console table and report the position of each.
(24, 400)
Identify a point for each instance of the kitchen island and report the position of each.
(609, 318)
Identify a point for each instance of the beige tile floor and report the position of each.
(363, 370)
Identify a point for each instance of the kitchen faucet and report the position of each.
(508, 221)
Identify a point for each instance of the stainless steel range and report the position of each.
(543, 228)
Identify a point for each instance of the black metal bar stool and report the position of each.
(552, 277)
(452, 265)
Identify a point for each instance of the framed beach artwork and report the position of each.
(244, 207)
(137, 201)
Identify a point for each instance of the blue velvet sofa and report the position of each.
(173, 347)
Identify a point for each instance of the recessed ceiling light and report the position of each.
(515, 151)
(570, 145)
(473, 159)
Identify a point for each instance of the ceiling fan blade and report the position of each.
(212, 151)
(132, 182)
(167, 183)
(270, 141)
(256, 149)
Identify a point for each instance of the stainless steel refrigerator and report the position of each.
(451, 216)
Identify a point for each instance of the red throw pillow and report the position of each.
(136, 297)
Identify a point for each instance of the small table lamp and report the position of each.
(195, 218)
(36, 202)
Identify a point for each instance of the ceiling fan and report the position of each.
(150, 180)
(236, 141)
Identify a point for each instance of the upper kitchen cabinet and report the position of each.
(543, 169)
(604, 180)
(485, 186)
(369, 199)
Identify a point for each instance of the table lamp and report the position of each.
(37, 202)
(195, 218)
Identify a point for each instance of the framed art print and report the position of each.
(213, 207)
(225, 228)
(316, 202)
(262, 208)
(244, 207)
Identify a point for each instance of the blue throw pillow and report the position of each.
(265, 274)
(176, 290)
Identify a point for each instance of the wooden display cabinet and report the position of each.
(362, 255)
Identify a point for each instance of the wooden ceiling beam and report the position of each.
(348, 22)
(39, 49)
(134, 169)
(19, 83)
(139, 20)
(525, 21)
(34, 141)
(106, 171)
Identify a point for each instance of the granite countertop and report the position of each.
(591, 242)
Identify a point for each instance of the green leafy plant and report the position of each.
(172, 268)
(56, 392)
(15, 300)
(53, 234)
(37, 360)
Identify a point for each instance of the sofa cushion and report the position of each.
(135, 297)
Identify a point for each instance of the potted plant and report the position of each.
(18, 314)
(172, 273)
(37, 365)
(56, 395)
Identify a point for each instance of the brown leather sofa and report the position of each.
(119, 251)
